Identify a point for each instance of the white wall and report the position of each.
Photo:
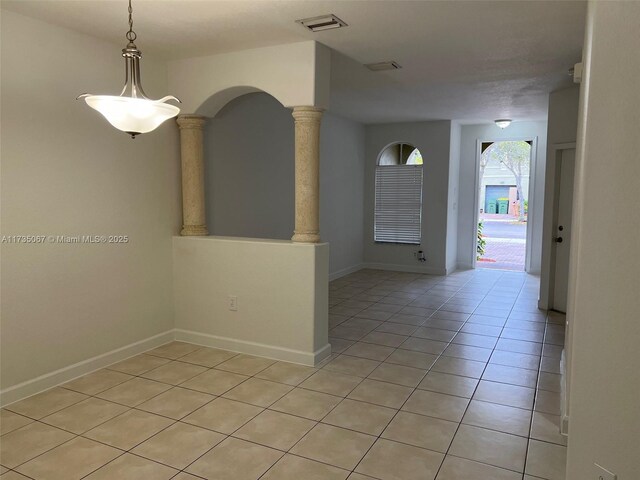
(562, 129)
(604, 426)
(249, 169)
(454, 184)
(433, 141)
(66, 171)
(281, 289)
(468, 173)
(297, 74)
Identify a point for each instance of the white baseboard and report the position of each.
(66, 374)
(564, 407)
(564, 425)
(254, 348)
(406, 268)
(345, 271)
(320, 354)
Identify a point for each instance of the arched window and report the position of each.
(398, 207)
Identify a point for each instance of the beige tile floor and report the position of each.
(450, 378)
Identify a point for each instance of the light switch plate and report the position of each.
(604, 474)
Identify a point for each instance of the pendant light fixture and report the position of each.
(132, 111)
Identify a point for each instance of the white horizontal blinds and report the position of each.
(398, 210)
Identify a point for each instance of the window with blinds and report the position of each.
(398, 207)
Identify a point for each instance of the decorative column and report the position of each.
(307, 127)
(192, 154)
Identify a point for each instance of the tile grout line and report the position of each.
(405, 401)
(479, 380)
(504, 326)
(342, 398)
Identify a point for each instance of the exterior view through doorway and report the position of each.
(503, 204)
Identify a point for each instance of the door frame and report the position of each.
(552, 185)
(530, 194)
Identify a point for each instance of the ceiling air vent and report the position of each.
(380, 66)
(324, 22)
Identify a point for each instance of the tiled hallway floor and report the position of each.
(451, 378)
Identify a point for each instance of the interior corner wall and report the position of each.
(342, 192)
(471, 134)
(67, 172)
(452, 210)
(604, 425)
(433, 141)
(249, 176)
(562, 128)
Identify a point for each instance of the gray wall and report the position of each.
(468, 150)
(342, 191)
(454, 186)
(249, 176)
(249, 169)
(433, 141)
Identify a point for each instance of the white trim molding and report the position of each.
(253, 348)
(43, 382)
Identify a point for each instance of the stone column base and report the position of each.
(306, 237)
(194, 231)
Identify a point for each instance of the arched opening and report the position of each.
(249, 168)
(219, 100)
(400, 154)
(398, 195)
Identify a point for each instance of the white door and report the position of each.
(562, 229)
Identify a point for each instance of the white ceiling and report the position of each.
(472, 61)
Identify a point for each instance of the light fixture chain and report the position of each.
(131, 35)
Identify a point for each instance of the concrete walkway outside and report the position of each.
(506, 242)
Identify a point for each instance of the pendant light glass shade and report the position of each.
(132, 115)
(132, 111)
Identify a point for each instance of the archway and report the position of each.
(249, 168)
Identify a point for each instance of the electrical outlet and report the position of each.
(603, 474)
(233, 303)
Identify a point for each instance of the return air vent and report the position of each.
(324, 22)
(380, 66)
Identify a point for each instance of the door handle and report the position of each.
(557, 239)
